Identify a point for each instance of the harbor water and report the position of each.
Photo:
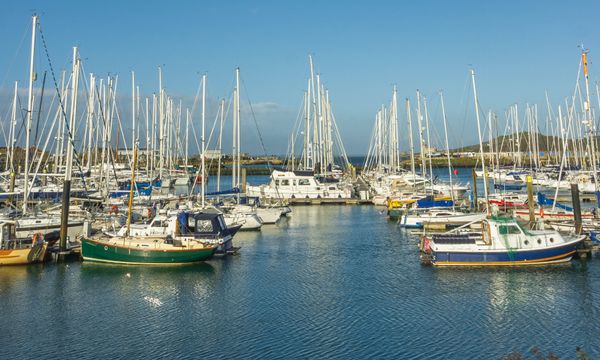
(327, 282)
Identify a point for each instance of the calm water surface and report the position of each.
(329, 282)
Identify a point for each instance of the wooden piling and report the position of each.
(576, 208)
(530, 202)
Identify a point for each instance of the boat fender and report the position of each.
(149, 212)
(542, 212)
(114, 209)
(38, 238)
(426, 246)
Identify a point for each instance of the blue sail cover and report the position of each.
(182, 219)
(543, 200)
(224, 192)
(429, 202)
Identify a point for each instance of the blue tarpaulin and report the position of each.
(543, 200)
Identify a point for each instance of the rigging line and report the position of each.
(260, 138)
(13, 60)
(62, 108)
(262, 144)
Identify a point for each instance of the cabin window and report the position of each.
(508, 229)
(285, 182)
(332, 188)
(276, 182)
(204, 226)
(551, 240)
(303, 182)
(158, 223)
(294, 182)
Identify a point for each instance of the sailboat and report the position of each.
(185, 247)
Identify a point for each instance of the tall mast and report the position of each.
(410, 137)
(239, 153)
(220, 145)
(12, 135)
(147, 138)
(161, 118)
(69, 160)
(203, 139)
(91, 108)
(485, 185)
(589, 119)
(29, 112)
(133, 108)
(421, 139)
(447, 146)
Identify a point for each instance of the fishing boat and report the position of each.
(503, 241)
(20, 251)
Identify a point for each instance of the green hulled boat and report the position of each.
(150, 251)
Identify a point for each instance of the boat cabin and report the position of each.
(204, 225)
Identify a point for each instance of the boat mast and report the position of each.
(410, 138)
(203, 139)
(220, 145)
(13, 126)
(421, 139)
(69, 159)
(131, 186)
(447, 146)
(132, 109)
(485, 185)
(161, 118)
(34, 20)
(589, 119)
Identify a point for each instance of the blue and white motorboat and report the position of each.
(502, 241)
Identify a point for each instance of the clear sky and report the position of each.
(519, 49)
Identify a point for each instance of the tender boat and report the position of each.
(20, 251)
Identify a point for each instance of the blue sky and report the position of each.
(519, 49)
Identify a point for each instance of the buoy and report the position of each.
(455, 171)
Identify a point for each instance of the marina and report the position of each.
(151, 212)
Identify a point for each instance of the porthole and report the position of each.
(551, 240)
(526, 242)
(539, 241)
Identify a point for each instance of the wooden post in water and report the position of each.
(530, 202)
(243, 180)
(475, 204)
(576, 208)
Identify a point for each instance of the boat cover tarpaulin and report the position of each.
(543, 200)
